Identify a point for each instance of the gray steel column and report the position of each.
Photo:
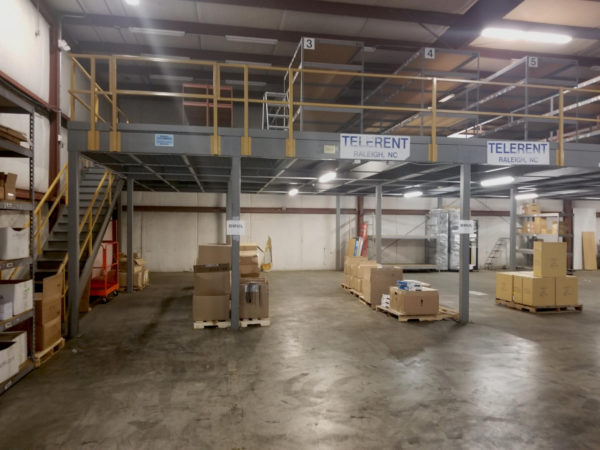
(378, 194)
(465, 253)
(440, 202)
(338, 224)
(236, 174)
(130, 235)
(512, 251)
(119, 236)
(73, 242)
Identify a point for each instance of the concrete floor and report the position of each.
(328, 373)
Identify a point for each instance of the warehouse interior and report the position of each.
(276, 224)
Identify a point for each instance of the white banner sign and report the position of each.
(509, 153)
(466, 227)
(374, 147)
(235, 227)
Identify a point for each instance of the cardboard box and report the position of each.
(213, 254)
(14, 243)
(212, 283)
(539, 225)
(347, 280)
(47, 334)
(9, 188)
(140, 278)
(20, 340)
(21, 293)
(47, 308)
(210, 307)
(567, 291)
(8, 360)
(415, 303)
(250, 270)
(549, 259)
(350, 247)
(504, 285)
(589, 246)
(531, 209)
(6, 307)
(379, 282)
(249, 257)
(350, 260)
(539, 291)
(518, 288)
(254, 298)
(364, 269)
(248, 246)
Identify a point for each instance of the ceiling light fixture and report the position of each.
(133, 2)
(160, 77)
(413, 194)
(447, 98)
(461, 134)
(63, 46)
(155, 55)
(293, 192)
(526, 196)
(157, 32)
(248, 63)
(497, 181)
(251, 40)
(511, 34)
(328, 176)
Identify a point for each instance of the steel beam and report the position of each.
(465, 252)
(379, 195)
(73, 242)
(512, 251)
(236, 176)
(129, 235)
(119, 221)
(338, 224)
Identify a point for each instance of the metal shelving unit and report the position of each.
(10, 102)
(525, 240)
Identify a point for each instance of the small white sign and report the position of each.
(532, 61)
(515, 153)
(429, 53)
(308, 43)
(466, 227)
(236, 228)
(387, 147)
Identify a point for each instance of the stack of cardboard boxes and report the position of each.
(547, 286)
(13, 353)
(8, 186)
(372, 280)
(540, 225)
(16, 297)
(212, 283)
(141, 275)
(414, 302)
(48, 307)
(254, 289)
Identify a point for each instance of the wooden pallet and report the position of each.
(356, 294)
(43, 356)
(443, 313)
(244, 323)
(540, 309)
(201, 324)
(14, 136)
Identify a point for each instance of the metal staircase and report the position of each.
(275, 115)
(500, 246)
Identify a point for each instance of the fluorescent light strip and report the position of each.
(413, 194)
(526, 196)
(292, 192)
(251, 40)
(153, 55)
(133, 2)
(329, 176)
(158, 77)
(157, 32)
(497, 181)
(447, 98)
(511, 34)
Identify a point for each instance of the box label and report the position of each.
(374, 147)
(235, 227)
(164, 140)
(514, 153)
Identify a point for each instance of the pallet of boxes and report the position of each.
(141, 275)
(254, 289)
(48, 319)
(547, 289)
(212, 286)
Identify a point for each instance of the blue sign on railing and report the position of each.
(164, 140)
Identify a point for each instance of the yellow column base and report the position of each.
(290, 148)
(93, 140)
(215, 145)
(433, 155)
(115, 141)
(246, 145)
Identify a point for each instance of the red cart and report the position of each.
(107, 282)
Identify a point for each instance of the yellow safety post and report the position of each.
(290, 143)
(560, 154)
(114, 135)
(72, 112)
(246, 140)
(93, 134)
(215, 139)
(433, 156)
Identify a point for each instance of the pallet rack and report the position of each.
(525, 240)
(14, 104)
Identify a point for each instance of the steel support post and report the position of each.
(338, 224)
(73, 242)
(465, 253)
(379, 195)
(236, 174)
(440, 202)
(119, 235)
(129, 235)
(512, 251)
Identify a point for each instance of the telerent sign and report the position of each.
(374, 147)
(509, 153)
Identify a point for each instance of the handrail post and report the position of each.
(560, 154)
(93, 134)
(39, 234)
(290, 143)
(246, 140)
(215, 139)
(114, 135)
(72, 111)
(433, 146)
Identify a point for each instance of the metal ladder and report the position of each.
(275, 115)
(500, 245)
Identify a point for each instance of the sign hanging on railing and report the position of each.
(385, 147)
(515, 153)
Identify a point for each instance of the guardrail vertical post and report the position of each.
(215, 139)
(560, 154)
(114, 135)
(73, 243)
(290, 143)
(72, 97)
(433, 146)
(246, 140)
(93, 134)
